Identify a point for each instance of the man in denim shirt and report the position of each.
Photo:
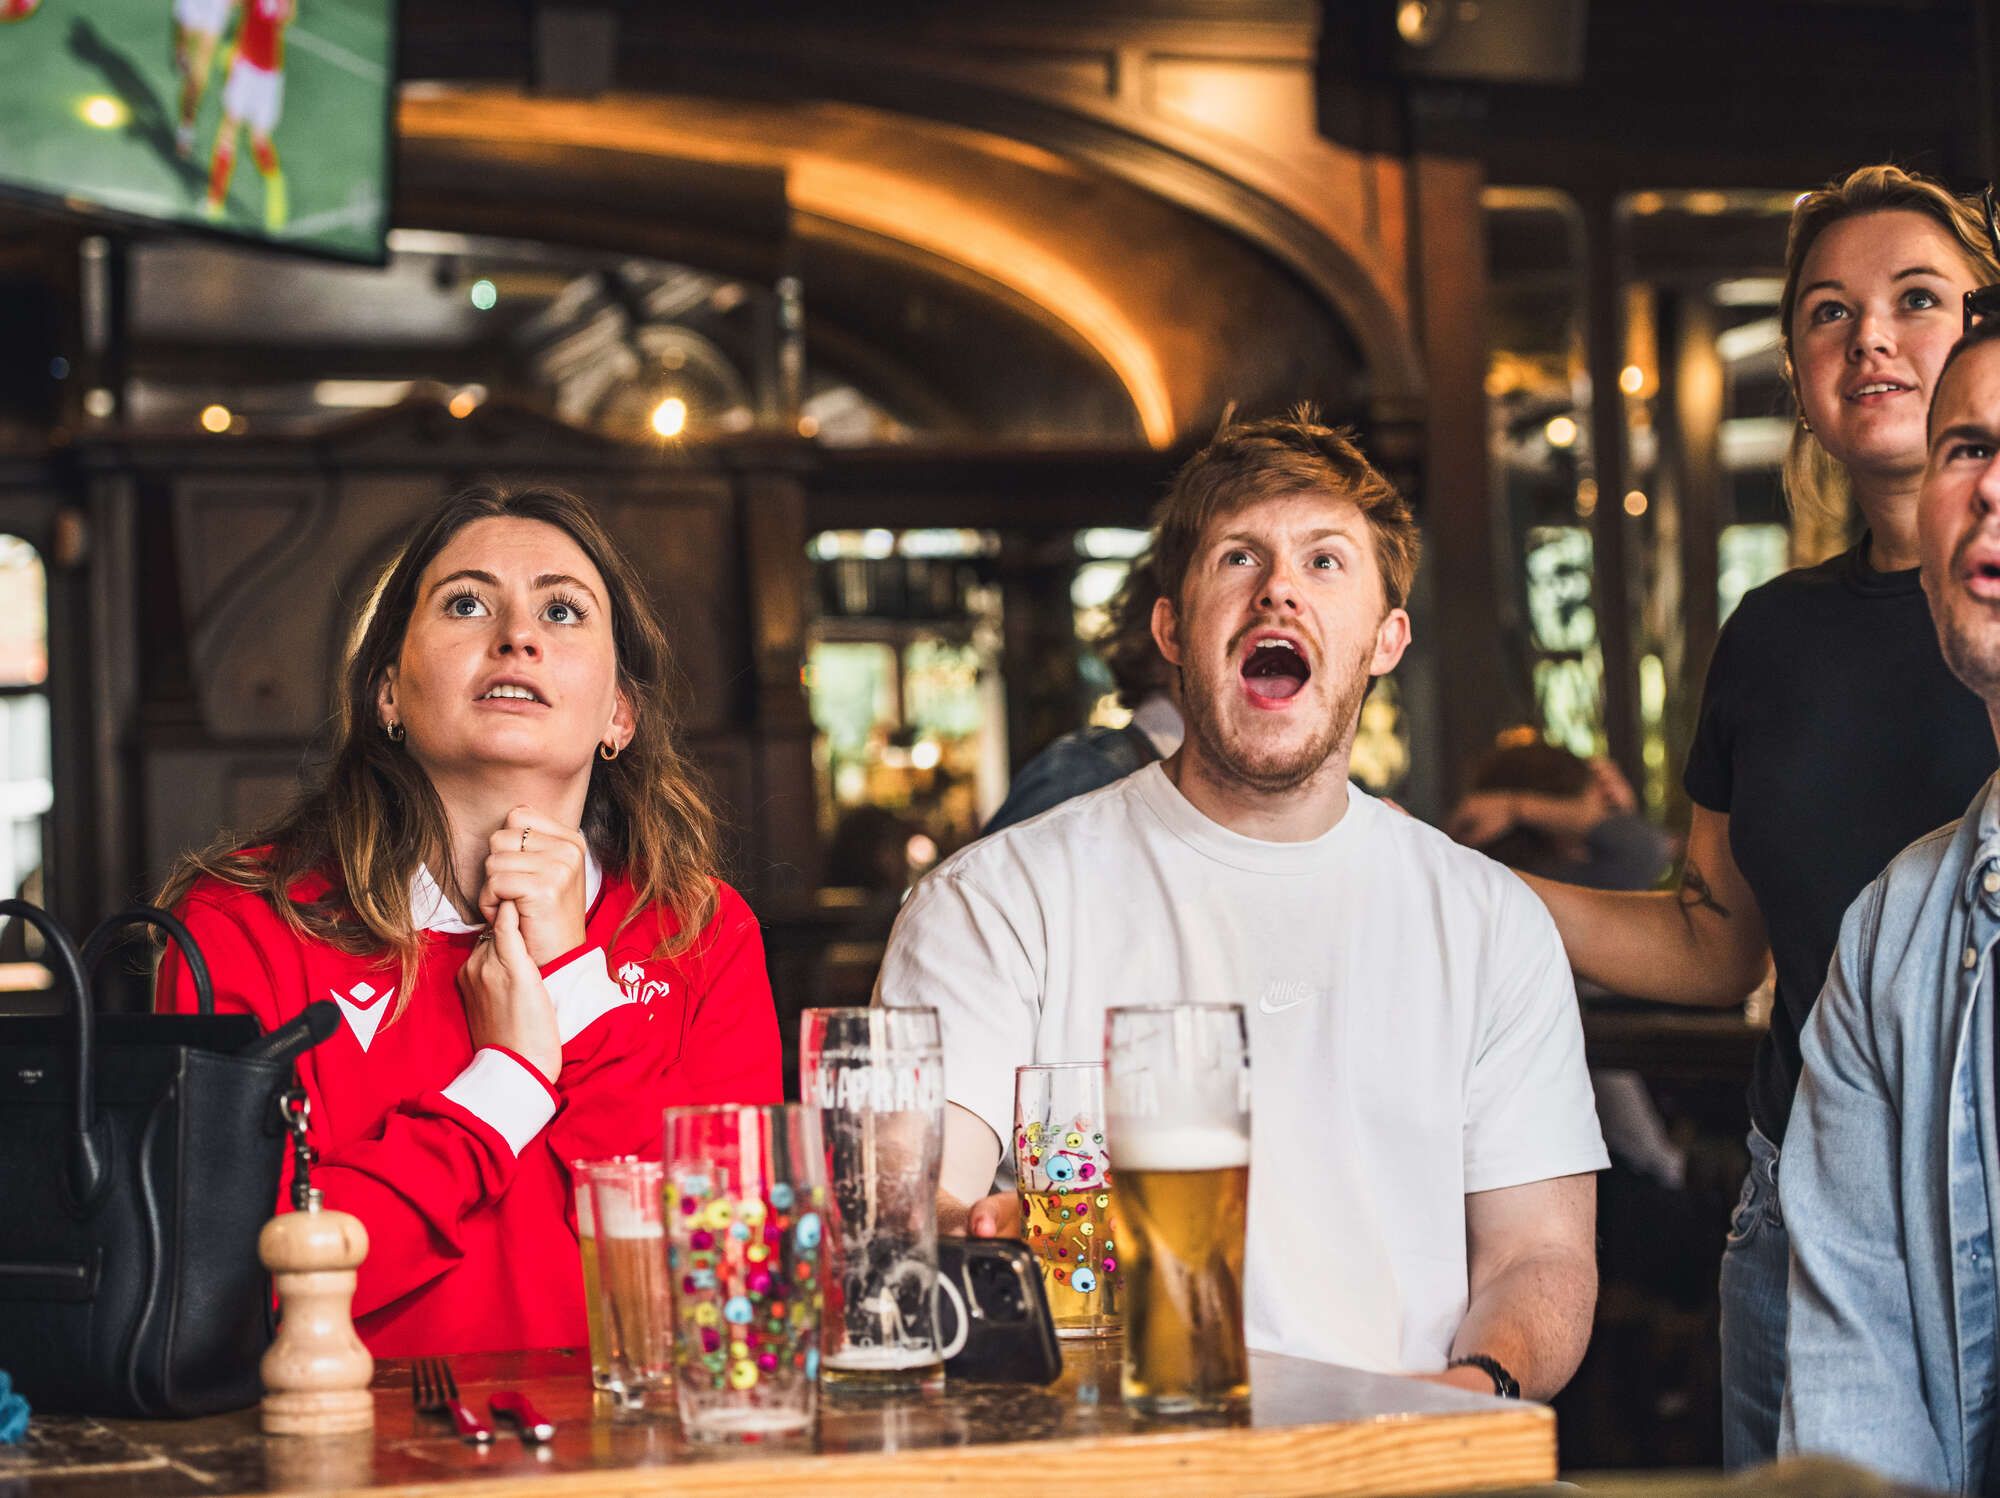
(1891, 1166)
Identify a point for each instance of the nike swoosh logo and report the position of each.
(1265, 1006)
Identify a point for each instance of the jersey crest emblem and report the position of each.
(640, 989)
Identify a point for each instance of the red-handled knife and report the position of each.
(509, 1404)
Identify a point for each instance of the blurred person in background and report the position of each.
(1091, 757)
(1831, 731)
(1542, 810)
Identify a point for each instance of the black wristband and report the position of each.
(1504, 1383)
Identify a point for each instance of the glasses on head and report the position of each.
(1985, 301)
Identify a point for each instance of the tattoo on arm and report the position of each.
(1694, 894)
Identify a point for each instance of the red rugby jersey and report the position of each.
(456, 1160)
(261, 41)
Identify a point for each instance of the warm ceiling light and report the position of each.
(809, 426)
(1420, 22)
(670, 416)
(1631, 379)
(463, 404)
(215, 418)
(1561, 431)
(1635, 503)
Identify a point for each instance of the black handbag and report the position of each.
(139, 1160)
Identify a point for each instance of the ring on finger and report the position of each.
(524, 839)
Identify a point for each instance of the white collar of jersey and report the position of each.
(431, 911)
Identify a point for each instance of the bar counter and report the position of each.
(1311, 1429)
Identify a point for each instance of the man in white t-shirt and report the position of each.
(1423, 1139)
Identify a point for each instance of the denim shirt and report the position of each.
(1891, 1174)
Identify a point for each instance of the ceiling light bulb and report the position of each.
(670, 416)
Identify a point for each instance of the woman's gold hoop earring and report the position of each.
(606, 751)
(394, 730)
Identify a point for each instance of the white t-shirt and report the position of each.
(1413, 1030)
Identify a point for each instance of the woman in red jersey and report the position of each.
(505, 880)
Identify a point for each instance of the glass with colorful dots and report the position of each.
(1064, 1178)
(745, 1202)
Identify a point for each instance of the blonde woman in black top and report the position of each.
(1831, 733)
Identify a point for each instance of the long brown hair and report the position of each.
(1815, 481)
(373, 818)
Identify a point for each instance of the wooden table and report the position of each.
(1312, 1429)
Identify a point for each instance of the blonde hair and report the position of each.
(374, 817)
(1816, 482)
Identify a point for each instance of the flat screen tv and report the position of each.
(266, 120)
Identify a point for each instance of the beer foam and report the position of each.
(1150, 1144)
(626, 1220)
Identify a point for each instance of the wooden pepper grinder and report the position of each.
(316, 1373)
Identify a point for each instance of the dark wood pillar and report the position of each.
(1448, 249)
(1604, 331)
(782, 817)
(1691, 401)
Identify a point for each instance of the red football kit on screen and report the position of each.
(260, 41)
(455, 1158)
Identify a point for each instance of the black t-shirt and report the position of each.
(1833, 735)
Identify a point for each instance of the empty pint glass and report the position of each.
(745, 1205)
(876, 1077)
(634, 1313)
(1064, 1178)
(1177, 1102)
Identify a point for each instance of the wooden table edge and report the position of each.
(1400, 1454)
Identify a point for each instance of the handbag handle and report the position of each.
(89, 1158)
(111, 928)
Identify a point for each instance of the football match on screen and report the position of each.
(263, 118)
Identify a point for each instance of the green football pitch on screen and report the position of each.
(263, 118)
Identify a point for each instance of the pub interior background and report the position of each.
(875, 332)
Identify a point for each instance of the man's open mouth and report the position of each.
(1275, 670)
(1981, 571)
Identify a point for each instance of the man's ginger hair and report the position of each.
(1247, 462)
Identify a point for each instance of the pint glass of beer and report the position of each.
(586, 1242)
(1063, 1175)
(633, 1314)
(876, 1078)
(745, 1208)
(1177, 1101)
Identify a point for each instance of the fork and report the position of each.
(435, 1392)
